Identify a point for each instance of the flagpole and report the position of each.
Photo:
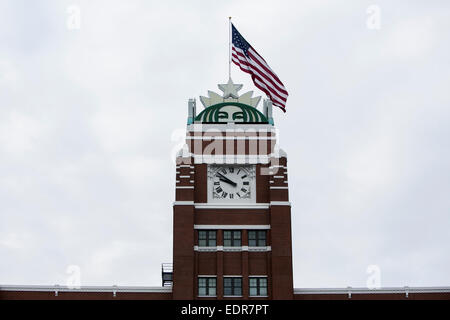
(229, 47)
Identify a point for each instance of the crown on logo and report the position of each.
(230, 94)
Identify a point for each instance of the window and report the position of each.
(232, 238)
(232, 286)
(206, 286)
(206, 238)
(258, 286)
(257, 238)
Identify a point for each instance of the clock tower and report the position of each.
(231, 215)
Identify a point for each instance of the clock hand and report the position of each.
(228, 181)
(225, 179)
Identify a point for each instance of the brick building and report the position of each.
(231, 217)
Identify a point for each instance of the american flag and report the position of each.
(248, 60)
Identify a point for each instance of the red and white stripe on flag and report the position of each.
(262, 75)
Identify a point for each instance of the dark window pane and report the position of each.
(263, 282)
(238, 286)
(263, 291)
(227, 291)
(207, 238)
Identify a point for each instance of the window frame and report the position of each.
(207, 238)
(234, 241)
(258, 238)
(208, 286)
(233, 286)
(258, 286)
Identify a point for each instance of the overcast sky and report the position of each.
(87, 117)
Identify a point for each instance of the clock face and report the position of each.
(231, 183)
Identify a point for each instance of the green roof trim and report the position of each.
(248, 114)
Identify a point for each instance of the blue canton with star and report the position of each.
(239, 41)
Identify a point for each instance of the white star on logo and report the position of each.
(230, 89)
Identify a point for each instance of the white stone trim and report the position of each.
(231, 206)
(277, 166)
(232, 249)
(223, 127)
(259, 249)
(208, 249)
(233, 159)
(228, 137)
(184, 177)
(183, 203)
(283, 188)
(231, 227)
(279, 177)
(280, 203)
(184, 187)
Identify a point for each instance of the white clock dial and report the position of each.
(231, 183)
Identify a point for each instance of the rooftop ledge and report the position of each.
(138, 289)
(86, 288)
(390, 290)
